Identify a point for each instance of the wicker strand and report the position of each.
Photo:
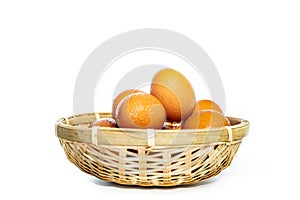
(188, 162)
(229, 130)
(150, 134)
(142, 165)
(122, 164)
(94, 135)
(166, 157)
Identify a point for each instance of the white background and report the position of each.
(255, 46)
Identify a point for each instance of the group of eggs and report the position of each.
(171, 104)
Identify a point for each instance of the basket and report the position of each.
(148, 157)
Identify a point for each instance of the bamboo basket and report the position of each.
(148, 157)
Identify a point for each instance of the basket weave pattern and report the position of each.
(144, 165)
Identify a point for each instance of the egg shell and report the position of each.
(206, 104)
(104, 122)
(120, 97)
(140, 111)
(205, 119)
(175, 92)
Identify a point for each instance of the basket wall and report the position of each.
(151, 166)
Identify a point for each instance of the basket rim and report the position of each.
(66, 129)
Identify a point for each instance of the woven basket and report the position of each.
(149, 157)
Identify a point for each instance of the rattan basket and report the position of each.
(149, 157)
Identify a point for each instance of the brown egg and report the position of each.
(104, 122)
(175, 92)
(120, 97)
(206, 104)
(140, 111)
(205, 119)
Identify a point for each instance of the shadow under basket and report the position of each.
(148, 157)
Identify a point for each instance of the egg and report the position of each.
(205, 119)
(104, 122)
(120, 97)
(175, 92)
(142, 111)
(206, 104)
